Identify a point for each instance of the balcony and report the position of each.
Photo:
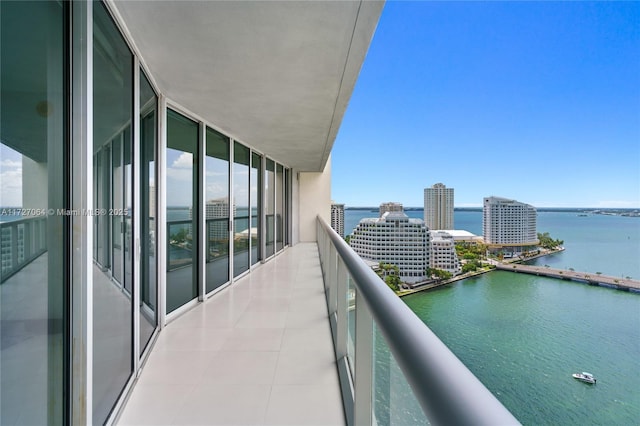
(311, 337)
(257, 352)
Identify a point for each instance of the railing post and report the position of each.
(14, 247)
(340, 339)
(342, 288)
(363, 413)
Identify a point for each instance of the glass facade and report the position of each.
(270, 207)
(255, 198)
(241, 219)
(34, 288)
(112, 273)
(182, 208)
(279, 207)
(148, 212)
(217, 209)
(136, 216)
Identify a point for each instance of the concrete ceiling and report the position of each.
(274, 75)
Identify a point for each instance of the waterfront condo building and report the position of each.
(438, 207)
(443, 252)
(508, 226)
(337, 218)
(390, 207)
(396, 239)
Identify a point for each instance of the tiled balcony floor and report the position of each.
(258, 352)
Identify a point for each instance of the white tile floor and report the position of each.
(258, 352)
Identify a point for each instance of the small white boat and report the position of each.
(585, 377)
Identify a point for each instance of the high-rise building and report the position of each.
(396, 239)
(337, 218)
(438, 207)
(443, 252)
(217, 211)
(390, 207)
(508, 225)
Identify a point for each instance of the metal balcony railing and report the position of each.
(367, 318)
(22, 242)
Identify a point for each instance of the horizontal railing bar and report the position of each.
(22, 221)
(447, 391)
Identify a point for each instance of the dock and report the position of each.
(618, 283)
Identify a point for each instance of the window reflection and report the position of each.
(112, 279)
(270, 207)
(33, 177)
(217, 209)
(279, 207)
(148, 281)
(241, 228)
(255, 198)
(182, 210)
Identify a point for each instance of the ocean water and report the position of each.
(523, 336)
(594, 243)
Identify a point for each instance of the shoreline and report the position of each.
(460, 277)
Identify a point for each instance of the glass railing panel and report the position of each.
(217, 252)
(240, 244)
(180, 257)
(182, 209)
(180, 244)
(446, 389)
(23, 241)
(351, 326)
(393, 400)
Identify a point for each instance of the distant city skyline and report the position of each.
(534, 101)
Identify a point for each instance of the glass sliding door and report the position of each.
(182, 210)
(148, 280)
(112, 145)
(287, 205)
(241, 231)
(255, 200)
(126, 213)
(102, 197)
(217, 209)
(270, 207)
(34, 148)
(117, 236)
(279, 208)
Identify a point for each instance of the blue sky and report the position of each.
(535, 101)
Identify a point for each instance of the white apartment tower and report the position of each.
(443, 253)
(390, 207)
(217, 217)
(396, 239)
(438, 207)
(509, 224)
(337, 218)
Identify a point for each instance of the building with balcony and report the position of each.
(390, 207)
(396, 239)
(121, 303)
(443, 252)
(438, 207)
(508, 226)
(337, 218)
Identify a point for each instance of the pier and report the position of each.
(583, 277)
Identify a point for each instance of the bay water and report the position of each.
(523, 336)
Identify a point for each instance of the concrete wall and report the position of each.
(35, 181)
(314, 198)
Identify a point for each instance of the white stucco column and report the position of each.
(314, 199)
